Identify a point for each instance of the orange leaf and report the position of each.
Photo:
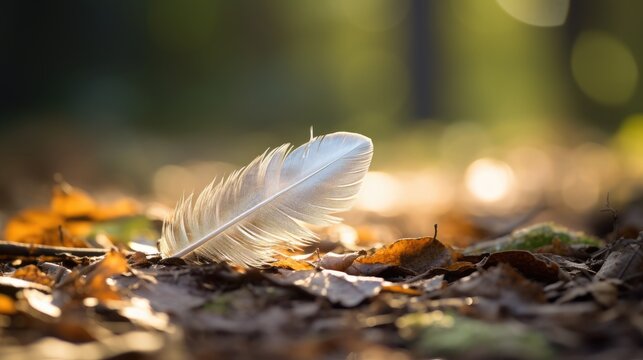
(120, 208)
(417, 255)
(292, 264)
(33, 274)
(69, 202)
(29, 225)
(7, 305)
(97, 284)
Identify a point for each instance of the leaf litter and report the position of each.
(542, 292)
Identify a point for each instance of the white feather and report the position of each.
(264, 207)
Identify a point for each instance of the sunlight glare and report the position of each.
(489, 180)
(380, 192)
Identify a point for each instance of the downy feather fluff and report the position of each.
(264, 207)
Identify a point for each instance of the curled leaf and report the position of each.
(413, 255)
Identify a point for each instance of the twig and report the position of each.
(19, 249)
(608, 208)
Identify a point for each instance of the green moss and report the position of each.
(444, 334)
(534, 237)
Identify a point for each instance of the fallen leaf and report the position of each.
(139, 311)
(414, 255)
(429, 285)
(169, 298)
(41, 302)
(604, 292)
(42, 227)
(401, 289)
(336, 286)
(7, 305)
(124, 207)
(292, 264)
(625, 260)
(33, 274)
(11, 286)
(70, 202)
(501, 283)
(72, 218)
(532, 266)
(97, 284)
(339, 262)
(329, 261)
(452, 272)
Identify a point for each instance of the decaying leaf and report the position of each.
(501, 283)
(336, 286)
(532, 266)
(11, 286)
(139, 311)
(292, 264)
(432, 284)
(413, 255)
(624, 261)
(604, 292)
(97, 284)
(41, 227)
(69, 221)
(70, 202)
(41, 302)
(328, 261)
(33, 274)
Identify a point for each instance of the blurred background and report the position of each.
(485, 115)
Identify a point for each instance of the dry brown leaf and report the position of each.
(11, 286)
(28, 226)
(339, 262)
(604, 292)
(401, 289)
(336, 286)
(624, 261)
(292, 264)
(97, 285)
(532, 266)
(70, 202)
(42, 227)
(70, 219)
(41, 302)
(7, 305)
(501, 283)
(415, 255)
(33, 274)
(119, 208)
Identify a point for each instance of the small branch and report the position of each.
(20, 249)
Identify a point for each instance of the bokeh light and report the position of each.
(380, 193)
(537, 12)
(489, 180)
(604, 68)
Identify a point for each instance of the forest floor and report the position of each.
(541, 292)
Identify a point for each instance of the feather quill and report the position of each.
(248, 217)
